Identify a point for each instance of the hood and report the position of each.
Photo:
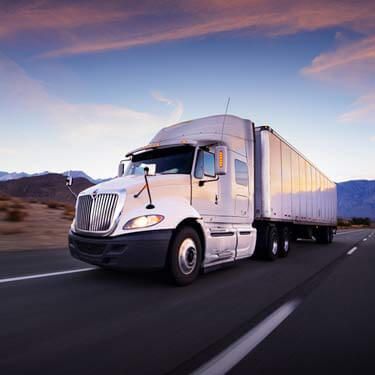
(133, 183)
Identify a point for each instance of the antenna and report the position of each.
(225, 116)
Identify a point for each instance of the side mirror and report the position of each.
(149, 169)
(221, 160)
(69, 181)
(121, 169)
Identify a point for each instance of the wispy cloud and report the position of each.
(34, 15)
(104, 26)
(357, 53)
(364, 110)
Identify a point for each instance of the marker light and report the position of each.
(221, 159)
(143, 221)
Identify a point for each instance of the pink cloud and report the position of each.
(44, 15)
(364, 110)
(362, 51)
(201, 18)
(111, 25)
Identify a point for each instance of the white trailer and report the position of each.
(204, 193)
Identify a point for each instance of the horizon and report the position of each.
(107, 177)
(85, 82)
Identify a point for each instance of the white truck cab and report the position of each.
(184, 202)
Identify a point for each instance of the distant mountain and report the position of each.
(7, 176)
(80, 174)
(356, 198)
(47, 187)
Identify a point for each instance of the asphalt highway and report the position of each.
(312, 312)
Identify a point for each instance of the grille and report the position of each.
(96, 214)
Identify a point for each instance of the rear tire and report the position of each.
(271, 251)
(185, 256)
(324, 235)
(284, 242)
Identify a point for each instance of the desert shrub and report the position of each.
(15, 215)
(10, 231)
(3, 206)
(54, 205)
(343, 222)
(69, 212)
(32, 200)
(4, 197)
(361, 221)
(17, 205)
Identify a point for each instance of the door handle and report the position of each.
(216, 199)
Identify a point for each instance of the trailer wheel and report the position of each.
(185, 256)
(325, 235)
(284, 242)
(330, 235)
(272, 246)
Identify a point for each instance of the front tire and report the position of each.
(185, 256)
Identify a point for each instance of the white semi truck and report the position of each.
(202, 194)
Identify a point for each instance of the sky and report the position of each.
(83, 82)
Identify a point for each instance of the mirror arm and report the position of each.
(74, 194)
(202, 182)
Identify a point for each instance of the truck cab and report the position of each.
(184, 202)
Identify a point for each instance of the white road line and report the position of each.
(351, 251)
(41, 275)
(350, 231)
(227, 359)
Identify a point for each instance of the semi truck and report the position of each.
(203, 194)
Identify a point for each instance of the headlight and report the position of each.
(143, 221)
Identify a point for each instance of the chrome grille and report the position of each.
(96, 214)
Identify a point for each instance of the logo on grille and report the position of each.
(94, 194)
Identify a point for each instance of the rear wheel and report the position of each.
(271, 250)
(284, 242)
(185, 256)
(324, 235)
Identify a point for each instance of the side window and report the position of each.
(241, 172)
(205, 165)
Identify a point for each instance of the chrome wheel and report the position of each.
(286, 245)
(187, 256)
(274, 246)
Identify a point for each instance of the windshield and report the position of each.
(172, 160)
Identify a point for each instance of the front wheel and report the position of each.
(185, 257)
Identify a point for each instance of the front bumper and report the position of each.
(141, 250)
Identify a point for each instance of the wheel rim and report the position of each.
(187, 256)
(286, 245)
(274, 246)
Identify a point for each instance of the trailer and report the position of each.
(292, 195)
(200, 195)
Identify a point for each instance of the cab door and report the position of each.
(246, 235)
(205, 185)
(221, 236)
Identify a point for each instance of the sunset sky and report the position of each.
(82, 82)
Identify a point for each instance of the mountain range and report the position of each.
(355, 198)
(7, 176)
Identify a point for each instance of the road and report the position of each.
(312, 312)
